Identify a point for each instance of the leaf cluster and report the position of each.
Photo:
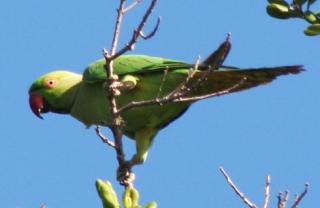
(281, 9)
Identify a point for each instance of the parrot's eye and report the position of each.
(50, 83)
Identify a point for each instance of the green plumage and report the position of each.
(148, 77)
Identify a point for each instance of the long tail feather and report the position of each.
(237, 80)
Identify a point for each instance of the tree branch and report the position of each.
(267, 192)
(301, 196)
(112, 85)
(104, 138)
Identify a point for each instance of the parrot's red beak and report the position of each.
(36, 102)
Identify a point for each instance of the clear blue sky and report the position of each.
(272, 129)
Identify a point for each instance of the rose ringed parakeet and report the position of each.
(143, 78)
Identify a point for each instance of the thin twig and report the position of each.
(177, 98)
(117, 30)
(163, 80)
(104, 138)
(267, 192)
(137, 32)
(182, 87)
(153, 32)
(215, 94)
(132, 5)
(301, 196)
(236, 189)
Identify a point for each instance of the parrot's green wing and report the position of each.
(133, 65)
(216, 80)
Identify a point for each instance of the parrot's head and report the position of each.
(54, 92)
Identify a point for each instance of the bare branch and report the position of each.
(104, 138)
(301, 196)
(267, 192)
(132, 5)
(236, 189)
(283, 199)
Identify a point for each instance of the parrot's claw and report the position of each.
(125, 175)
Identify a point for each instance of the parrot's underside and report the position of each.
(143, 78)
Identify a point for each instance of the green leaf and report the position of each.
(107, 194)
(130, 198)
(313, 30)
(152, 204)
(280, 11)
(282, 2)
(310, 17)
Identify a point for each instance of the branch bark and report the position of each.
(112, 84)
(245, 199)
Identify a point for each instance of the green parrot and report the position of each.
(143, 78)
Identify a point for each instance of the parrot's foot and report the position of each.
(136, 160)
(125, 175)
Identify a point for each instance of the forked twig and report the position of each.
(139, 32)
(236, 189)
(177, 98)
(283, 199)
(132, 5)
